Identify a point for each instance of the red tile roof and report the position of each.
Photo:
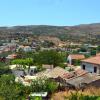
(77, 56)
(67, 75)
(93, 60)
(77, 73)
(80, 72)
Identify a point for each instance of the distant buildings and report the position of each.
(25, 48)
(12, 56)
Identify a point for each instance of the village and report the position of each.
(71, 66)
(49, 49)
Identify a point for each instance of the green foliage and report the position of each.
(43, 85)
(98, 48)
(93, 52)
(62, 65)
(5, 54)
(77, 62)
(4, 69)
(43, 57)
(40, 68)
(49, 57)
(71, 69)
(47, 44)
(83, 49)
(22, 54)
(36, 98)
(9, 90)
(23, 62)
(87, 55)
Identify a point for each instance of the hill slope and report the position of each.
(88, 31)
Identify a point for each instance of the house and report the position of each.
(91, 64)
(18, 70)
(82, 81)
(78, 79)
(32, 70)
(73, 57)
(95, 83)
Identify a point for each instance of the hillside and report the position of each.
(86, 32)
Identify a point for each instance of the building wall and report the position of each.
(90, 67)
(69, 60)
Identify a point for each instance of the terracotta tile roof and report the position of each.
(57, 72)
(67, 75)
(77, 56)
(80, 72)
(86, 78)
(53, 73)
(77, 73)
(93, 60)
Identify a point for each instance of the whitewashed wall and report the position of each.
(90, 67)
(69, 59)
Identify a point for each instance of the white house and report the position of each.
(72, 57)
(92, 64)
(32, 70)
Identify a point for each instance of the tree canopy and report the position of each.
(49, 57)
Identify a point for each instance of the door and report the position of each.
(95, 69)
(83, 67)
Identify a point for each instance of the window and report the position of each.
(83, 67)
(95, 69)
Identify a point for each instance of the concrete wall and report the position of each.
(90, 67)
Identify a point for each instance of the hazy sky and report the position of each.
(49, 12)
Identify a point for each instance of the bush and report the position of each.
(9, 90)
(43, 85)
(36, 98)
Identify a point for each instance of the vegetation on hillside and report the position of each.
(82, 33)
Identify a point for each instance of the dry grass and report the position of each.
(92, 91)
(89, 91)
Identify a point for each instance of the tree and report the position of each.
(23, 62)
(49, 57)
(4, 69)
(9, 90)
(83, 49)
(47, 44)
(98, 48)
(93, 52)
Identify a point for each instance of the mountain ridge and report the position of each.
(78, 32)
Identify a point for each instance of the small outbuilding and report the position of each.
(73, 57)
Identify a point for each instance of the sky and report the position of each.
(49, 12)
